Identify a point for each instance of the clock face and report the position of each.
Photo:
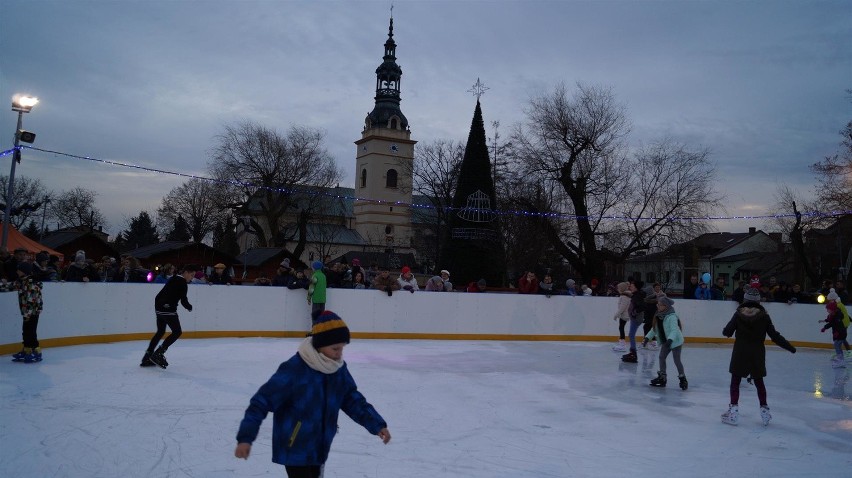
(394, 148)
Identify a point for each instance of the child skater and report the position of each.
(637, 317)
(622, 314)
(165, 306)
(665, 328)
(316, 291)
(306, 395)
(751, 324)
(834, 297)
(30, 303)
(834, 321)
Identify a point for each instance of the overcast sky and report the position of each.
(760, 83)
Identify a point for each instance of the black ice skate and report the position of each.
(660, 381)
(146, 360)
(630, 357)
(683, 383)
(159, 358)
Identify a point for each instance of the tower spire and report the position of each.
(388, 76)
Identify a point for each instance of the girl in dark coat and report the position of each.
(751, 324)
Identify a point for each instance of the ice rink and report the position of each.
(455, 409)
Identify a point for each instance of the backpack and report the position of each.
(845, 320)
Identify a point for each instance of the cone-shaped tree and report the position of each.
(473, 249)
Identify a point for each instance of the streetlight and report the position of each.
(22, 104)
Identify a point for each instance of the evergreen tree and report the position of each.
(225, 238)
(32, 231)
(141, 232)
(180, 230)
(473, 249)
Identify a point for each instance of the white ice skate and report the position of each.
(765, 415)
(838, 362)
(732, 416)
(848, 355)
(620, 346)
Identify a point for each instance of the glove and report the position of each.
(389, 290)
(793, 351)
(189, 307)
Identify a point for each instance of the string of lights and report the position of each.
(319, 192)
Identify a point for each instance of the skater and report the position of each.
(30, 303)
(165, 306)
(751, 324)
(665, 328)
(833, 296)
(637, 317)
(316, 291)
(622, 314)
(649, 311)
(834, 321)
(306, 395)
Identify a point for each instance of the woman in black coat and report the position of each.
(751, 324)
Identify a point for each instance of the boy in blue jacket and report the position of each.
(306, 395)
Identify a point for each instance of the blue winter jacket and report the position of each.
(305, 405)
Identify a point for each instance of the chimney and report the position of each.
(752, 230)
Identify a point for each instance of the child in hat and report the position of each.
(316, 291)
(306, 395)
(165, 306)
(665, 329)
(30, 302)
(751, 324)
(834, 321)
(833, 296)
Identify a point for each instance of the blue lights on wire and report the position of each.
(427, 206)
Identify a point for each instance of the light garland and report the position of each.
(429, 206)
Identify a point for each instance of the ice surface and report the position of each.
(454, 408)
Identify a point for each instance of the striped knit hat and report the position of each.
(329, 329)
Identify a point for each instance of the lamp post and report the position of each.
(21, 104)
(246, 223)
(45, 202)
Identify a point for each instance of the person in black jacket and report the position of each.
(751, 324)
(165, 306)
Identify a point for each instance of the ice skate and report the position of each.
(660, 381)
(764, 415)
(848, 355)
(732, 416)
(620, 346)
(159, 358)
(653, 346)
(35, 356)
(19, 357)
(838, 362)
(630, 357)
(146, 360)
(683, 383)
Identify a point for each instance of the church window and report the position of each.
(391, 177)
(364, 178)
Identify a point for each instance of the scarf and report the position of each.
(316, 360)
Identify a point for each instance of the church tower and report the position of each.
(384, 162)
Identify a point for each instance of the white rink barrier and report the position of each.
(76, 313)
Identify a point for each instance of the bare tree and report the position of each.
(834, 176)
(610, 205)
(272, 171)
(434, 174)
(76, 208)
(30, 197)
(199, 203)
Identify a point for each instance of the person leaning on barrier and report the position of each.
(385, 283)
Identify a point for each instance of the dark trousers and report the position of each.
(316, 310)
(28, 331)
(162, 321)
(313, 471)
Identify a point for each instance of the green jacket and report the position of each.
(316, 292)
